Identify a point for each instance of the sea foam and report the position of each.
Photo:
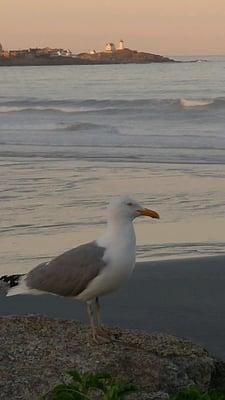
(196, 103)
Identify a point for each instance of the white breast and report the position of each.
(120, 262)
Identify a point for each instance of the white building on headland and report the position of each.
(121, 45)
(110, 48)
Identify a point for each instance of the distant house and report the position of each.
(3, 53)
(19, 53)
(60, 53)
(110, 48)
(45, 51)
(66, 52)
(55, 53)
(49, 52)
(34, 52)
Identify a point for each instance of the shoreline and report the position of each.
(64, 63)
(125, 56)
(183, 297)
(59, 64)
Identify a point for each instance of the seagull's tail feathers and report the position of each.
(9, 284)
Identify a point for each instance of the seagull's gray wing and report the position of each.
(70, 273)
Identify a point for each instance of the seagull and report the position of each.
(91, 270)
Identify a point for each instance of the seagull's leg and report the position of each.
(98, 318)
(101, 330)
(96, 334)
(90, 310)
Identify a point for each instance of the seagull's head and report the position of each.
(124, 207)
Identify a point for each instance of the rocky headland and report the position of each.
(125, 56)
(36, 351)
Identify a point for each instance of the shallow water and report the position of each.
(72, 137)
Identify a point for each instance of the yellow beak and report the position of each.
(149, 213)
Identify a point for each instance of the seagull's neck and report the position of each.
(120, 226)
(119, 233)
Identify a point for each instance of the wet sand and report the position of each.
(181, 297)
(49, 206)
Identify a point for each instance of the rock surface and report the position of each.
(36, 351)
(126, 56)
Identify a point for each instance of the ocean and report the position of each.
(72, 137)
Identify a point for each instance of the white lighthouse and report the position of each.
(121, 45)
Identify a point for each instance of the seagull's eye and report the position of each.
(129, 204)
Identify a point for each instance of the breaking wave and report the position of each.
(90, 106)
(196, 103)
(65, 109)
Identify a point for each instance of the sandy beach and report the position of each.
(181, 297)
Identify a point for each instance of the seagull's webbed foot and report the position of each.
(101, 337)
(105, 332)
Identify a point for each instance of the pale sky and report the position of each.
(166, 27)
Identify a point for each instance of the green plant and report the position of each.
(81, 385)
(195, 393)
(118, 391)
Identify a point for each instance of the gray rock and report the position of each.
(36, 351)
